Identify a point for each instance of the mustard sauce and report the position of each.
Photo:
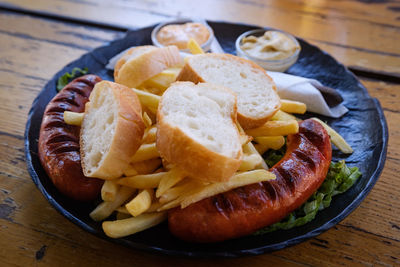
(179, 34)
(273, 45)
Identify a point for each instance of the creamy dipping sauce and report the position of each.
(179, 34)
(273, 45)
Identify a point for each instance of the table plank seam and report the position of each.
(20, 74)
(19, 137)
(356, 48)
(61, 18)
(375, 75)
(29, 37)
(367, 232)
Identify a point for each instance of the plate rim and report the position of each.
(210, 254)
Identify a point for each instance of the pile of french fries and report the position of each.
(150, 186)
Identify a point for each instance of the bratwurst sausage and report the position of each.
(242, 211)
(59, 142)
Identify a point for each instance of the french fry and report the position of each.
(261, 149)
(151, 90)
(109, 190)
(162, 80)
(194, 47)
(153, 208)
(274, 128)
(171, 204)
(168, 166)
(155, 205)
(140, 203)
(104, 209)
(238, 180)
(73, 118)
(270, 142)
(249, 162)
(121, 228)
(150, 135)
(201, 192)
(142, 181)
(121, 215)
(250, 149)
(146, 119)
(161, 169)
(244, 139)
(145, 152)
(151, 113)
(147, 99)
(171, 178)
(291, 106)
(184, 187)
(336, 138)
(122, 209)
(282, 116)
(130, 171)
(146, 166)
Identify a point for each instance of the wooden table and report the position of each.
(39, 37)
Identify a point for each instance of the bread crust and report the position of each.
(126, 56)
(198, 161)
(188, 73)
(127, 137)
(133, 72)
(58, 145)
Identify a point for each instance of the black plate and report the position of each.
(364, 127)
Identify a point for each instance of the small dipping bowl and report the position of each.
(205, 46)
(279, 65)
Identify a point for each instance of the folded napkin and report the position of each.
(305, 90)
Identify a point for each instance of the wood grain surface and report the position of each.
(34, 47)
(358, 34)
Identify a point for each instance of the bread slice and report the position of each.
(111, 131)
(141, 63)
(196, 130)
(256, 92)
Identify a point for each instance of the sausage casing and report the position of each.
(59, 142)
(242, 211)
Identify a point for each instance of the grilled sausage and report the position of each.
(242, 211)
(59, 142)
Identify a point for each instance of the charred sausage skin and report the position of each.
(59, 142)
(244, 210)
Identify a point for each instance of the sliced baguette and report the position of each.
(196, 130)
(257, 98)
(112, 130)
(141, 63)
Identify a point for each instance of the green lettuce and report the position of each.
(272, 157)
(67, 77)
(339, 179)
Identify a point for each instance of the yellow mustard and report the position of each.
(273, 45)
(179, 34)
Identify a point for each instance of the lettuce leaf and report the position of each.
(67, 77)
(272, 157)
(339, 179)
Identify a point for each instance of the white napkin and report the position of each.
(114, 59)
(301, 89)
